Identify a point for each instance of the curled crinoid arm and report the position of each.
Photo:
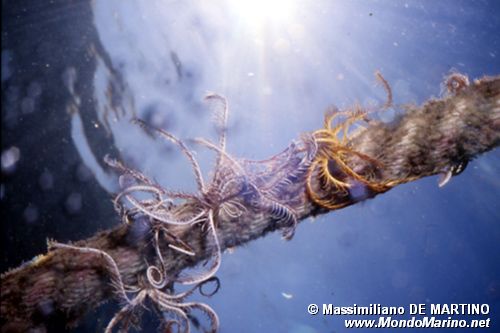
(288, 216)
(185, 150)
(310, 146)
(110, 265)
(144, 180)
(237, 168)
(343, 126)
(171, 315)
(338, 184)
(266, 199)
(221, 116)
(148, 207)
(259, 171)
(228, 205)
(296, 169)
(326, 176)
(138, 188)
(174, 305)
(157, 209)
(380, 78)
(331, 187)
(168, 309)
(264, 174)
(331, 164)
(456, 83)
(126, 313)
(232, 209)
(153, 208)
(331, 113)
(338, 154)
(179, 297)
(173, 310)
(157, 276)
(451, 171)
(281, 212)
(230, 176)
(178, 244)
(161, 215)
(216, 259)
(174, 242)
(121, 168)
(206, 310)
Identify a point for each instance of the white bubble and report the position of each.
(6, 67)
(10, 157)
(73, 203)
(34, 90)
(27, 105)
(83, 173)
(46, 180)
(30, 214)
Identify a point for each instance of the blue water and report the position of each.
(416, 244)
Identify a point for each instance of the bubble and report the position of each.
(83, 173)
(347, 239)
(493, 290)
(388, 115)
(159, 115)
(46, 180)
(30, 214)
(157, 119)
(138, 231)
(73, 203)
(34, 89)
(10, 157)
(400, 279)
(6, 66)
(358, 191)
(126, 181)
(27, 105)
(46, 307)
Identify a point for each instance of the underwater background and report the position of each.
(75, 72)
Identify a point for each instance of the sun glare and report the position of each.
(259, 13)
